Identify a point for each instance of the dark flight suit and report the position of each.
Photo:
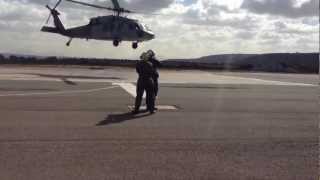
(145, 83)
(156, 64)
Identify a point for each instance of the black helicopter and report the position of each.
(116, 27)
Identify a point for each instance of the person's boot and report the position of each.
(152, 111)
(135, 111)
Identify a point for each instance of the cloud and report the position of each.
(286, 8)
(187, 2)
(245, 35)
(311, 21)
(293, 29)
(216, 16)
(139, 5)
(147, 5)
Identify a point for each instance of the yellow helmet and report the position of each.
(144, 56)
(151, 53)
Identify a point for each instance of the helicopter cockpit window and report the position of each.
(143, 27)
(139, 27)
(147, 28)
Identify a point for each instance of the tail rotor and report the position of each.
(53, 10)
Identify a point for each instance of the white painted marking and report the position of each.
(171, 78)
(160, 107)
(60, 92)
(129, 87)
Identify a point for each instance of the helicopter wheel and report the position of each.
(135, 45)
(115, 43)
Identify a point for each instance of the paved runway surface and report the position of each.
(73, 123)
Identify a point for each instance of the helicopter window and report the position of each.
(147, 28)
(138, 27)
(141, 27)
(144, 27)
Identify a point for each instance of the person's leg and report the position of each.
(147, 99)
(156, 89)
(140, 90)
(156, 86)
(150, 96)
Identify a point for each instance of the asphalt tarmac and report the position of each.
(74, 123)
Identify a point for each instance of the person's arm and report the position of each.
(149, 69)
(138, 68)
(156, 62)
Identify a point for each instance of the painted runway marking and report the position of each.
(159, 107)
(60, 92)
(207, 78)
(129, 87)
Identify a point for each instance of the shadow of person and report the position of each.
(119, 118)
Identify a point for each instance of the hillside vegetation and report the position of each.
(280, 62)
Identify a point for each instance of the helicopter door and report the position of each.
(117, 29)
(96, 28)
(130, 30)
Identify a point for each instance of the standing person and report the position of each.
(156, 64)
(145, 82)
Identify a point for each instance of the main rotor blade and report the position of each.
(145, 13)
(116, 4)
(48, 19)
(57, 4)
(91, 5)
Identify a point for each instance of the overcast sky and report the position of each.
(186, 28)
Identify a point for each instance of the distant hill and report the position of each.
(277, 62)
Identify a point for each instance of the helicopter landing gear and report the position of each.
(69, 42)
(135, 45)
(115, 43)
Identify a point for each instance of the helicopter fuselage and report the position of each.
(112, 28)
(109, 28)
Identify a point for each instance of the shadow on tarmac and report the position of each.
(120, 118)
(65, 80)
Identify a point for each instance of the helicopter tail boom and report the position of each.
(50, 29)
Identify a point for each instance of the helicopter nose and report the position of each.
(150, 35)
(153, 36)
